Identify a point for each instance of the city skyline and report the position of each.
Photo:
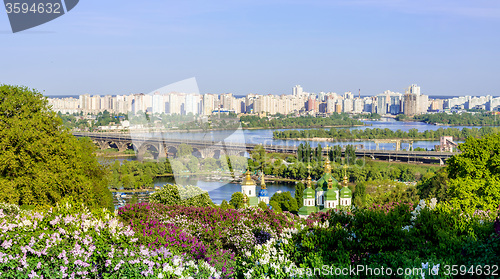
(261, 47)
(172, 100)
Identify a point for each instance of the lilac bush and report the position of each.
(71, 242)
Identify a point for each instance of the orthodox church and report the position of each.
(248, 188)
(326, 195)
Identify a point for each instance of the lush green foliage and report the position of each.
(434, 186)
(237, 200)
(306, 154)
(464, 119)
(41, 163)
(371, 116)
(181, 195)
(284, 202)
(299, 193)
(376, 133)
(475, 174)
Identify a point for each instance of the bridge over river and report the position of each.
(164, 148)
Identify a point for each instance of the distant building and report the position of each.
(413, 102)
(446, 144)
(410, 104)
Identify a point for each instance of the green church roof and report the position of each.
(345, 192)
(331, 195)
(308, 193)
(322, 184)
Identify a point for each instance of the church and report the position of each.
(326, 196)
(248, 188)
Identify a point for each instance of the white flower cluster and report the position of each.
(186, 269)
(434, 270)
(324, 225)
(270, 256)
(416, 212)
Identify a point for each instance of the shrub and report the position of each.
(181, 195)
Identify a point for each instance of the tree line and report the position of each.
(376, 133)
(463, 119)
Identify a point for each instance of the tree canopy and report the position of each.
(41, 163)
(284, 201)
(236, 200)
(474, 175)
(181, 195)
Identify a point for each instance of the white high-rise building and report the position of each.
(348, 105)
(358, 105)
(192, 103)
(348, 95)
(158, 103)
(414, 89)
(297, 91)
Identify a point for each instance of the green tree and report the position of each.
(210, 164)
(187, 195)
(359, 195)
(337, 154)
(236, 200)
(319, 153)
(300, 152)
(225, 205)
(299, 193)
(193, 164)
(262, 205)
(350, 155)
(475, 174)
(259, 154)
(41, 162)
(434, 186)
(275, 206)
(184, 150)
(285, 201)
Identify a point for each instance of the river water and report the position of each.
(222, 190)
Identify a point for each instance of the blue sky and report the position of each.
(265, 47)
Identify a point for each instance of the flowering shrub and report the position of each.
(229, 229)
(69, 241)
(215, 235)
(269, 260)
(159, 241)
